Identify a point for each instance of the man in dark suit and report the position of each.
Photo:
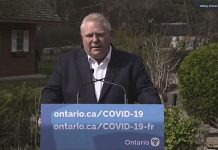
(75, 78)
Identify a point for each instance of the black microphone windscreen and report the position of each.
(92, 70)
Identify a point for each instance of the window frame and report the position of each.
(24, 40)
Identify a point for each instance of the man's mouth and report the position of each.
(96, 46)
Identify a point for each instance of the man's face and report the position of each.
(96, 40)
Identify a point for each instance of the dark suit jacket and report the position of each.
(72, 72)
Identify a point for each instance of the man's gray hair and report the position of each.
(98, 18)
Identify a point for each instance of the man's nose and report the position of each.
(95, 38)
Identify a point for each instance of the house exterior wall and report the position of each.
(16, 63)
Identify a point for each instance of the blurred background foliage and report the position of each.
(140, 17)
(198, 80)
(19, 105)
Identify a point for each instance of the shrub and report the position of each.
(46, 67)
(180, 132)
(198, 80)
(17, 105)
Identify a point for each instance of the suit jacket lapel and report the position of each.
(110, 74)
(85, 75)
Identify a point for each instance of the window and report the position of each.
(20, 41)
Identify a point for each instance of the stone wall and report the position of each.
(52, 53)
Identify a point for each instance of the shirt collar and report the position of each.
(106, 60)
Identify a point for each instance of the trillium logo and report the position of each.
(155, 142)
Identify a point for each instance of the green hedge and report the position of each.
(198, 83)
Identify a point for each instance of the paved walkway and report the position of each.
(212, 139)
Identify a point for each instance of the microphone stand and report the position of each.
(101, 80)
(124, 96)
(78, 92)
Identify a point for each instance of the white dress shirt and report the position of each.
(99, 72)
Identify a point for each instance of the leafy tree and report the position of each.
(198, 80)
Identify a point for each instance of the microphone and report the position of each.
(111, 83)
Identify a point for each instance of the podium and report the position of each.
(102, 127)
